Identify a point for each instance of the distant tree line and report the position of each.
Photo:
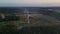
(11, 10)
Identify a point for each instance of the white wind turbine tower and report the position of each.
(24, 25)
(27, 13)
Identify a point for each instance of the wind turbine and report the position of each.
(27, 13)
(28, 23)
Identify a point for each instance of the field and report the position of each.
(37, 21)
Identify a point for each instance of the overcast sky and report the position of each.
(29, 2)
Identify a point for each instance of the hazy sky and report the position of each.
(30, 2)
